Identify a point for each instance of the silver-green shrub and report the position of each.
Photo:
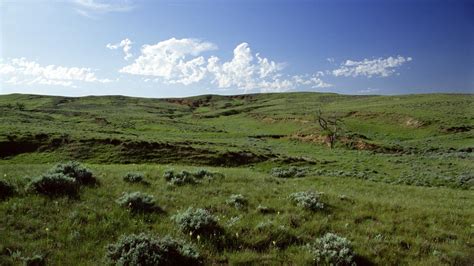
(289, 172)
(145, 250)
(238, 201)
(133, 178)
(196, 221)
(186, 177)
(54, 184)
(308, 200)
(332, 249)
(137, 202)
(183, 178)
(179, 179)
(35, 260)
(75, 170)
(202, 173)
(168, 175)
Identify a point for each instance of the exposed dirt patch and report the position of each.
(271, 136)
(413, 123)
(298, 160)
(30, 143)
(367, 115)
(405, 121)
(271, 120)
(315, 138)
(456, 129)
(101, 121)
(115, 150)
(239, 158)
(111, 150)
(206, 100)
(354, 141)
(192, 103)
(13, 147)
(359, 144)
(235, 111)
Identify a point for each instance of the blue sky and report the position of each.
(183, 48)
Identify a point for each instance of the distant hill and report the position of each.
(219, 130)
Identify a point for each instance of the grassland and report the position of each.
(399, 184)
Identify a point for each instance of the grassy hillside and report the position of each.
(421, 131)
(398, 184)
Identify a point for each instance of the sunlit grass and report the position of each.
(391, 224)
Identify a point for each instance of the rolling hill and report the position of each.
(398, 183)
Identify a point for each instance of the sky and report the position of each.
(184, 48)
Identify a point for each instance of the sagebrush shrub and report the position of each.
(36, 260)
(186, 177)
(238, 201)
(308, 200)
(289, 172)
(75, 170)
(168, 175)
(465, 180)
(54, 184)
(332, 249)
(137, 202)
(197, 221)
(178, 179)
(202, 173)
(183, 178)
(6, 189)
(133, 178)
(148, 250)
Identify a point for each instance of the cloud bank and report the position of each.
(382, 67)
(174, 61)
(180, 61)
(190, 61)
(20, 71)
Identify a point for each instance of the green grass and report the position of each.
(388, 224)
(408, 194)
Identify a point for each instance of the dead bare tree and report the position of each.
(331, 126)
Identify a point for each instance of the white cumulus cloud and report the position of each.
(180, 61)
(243, 71)
(314, 81)
(247, 72)
(125, 44)
(382, 67)
(173, 60)
(20, 71)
